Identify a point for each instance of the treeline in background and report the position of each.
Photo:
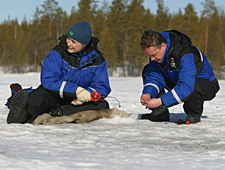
(119, 27)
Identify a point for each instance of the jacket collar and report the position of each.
(89, 48)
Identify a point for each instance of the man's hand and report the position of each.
(83, 95)
(153, 103)
(144, 98)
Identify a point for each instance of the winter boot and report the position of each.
(18, 113)
(158, 114)
(193, 118)
(15, 87)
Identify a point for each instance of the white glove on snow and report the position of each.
(83, 95)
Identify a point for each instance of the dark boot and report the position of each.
(158, 114)
(18, 113)
(193, 118)
(15, 87)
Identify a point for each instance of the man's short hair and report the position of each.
(152, 38)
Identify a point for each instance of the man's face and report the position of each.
(74, 46)
(156, 54)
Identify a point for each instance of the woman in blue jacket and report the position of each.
(176, 65)
(70, 73)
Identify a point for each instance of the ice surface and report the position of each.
(114, 144)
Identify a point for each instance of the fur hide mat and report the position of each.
(80, 117)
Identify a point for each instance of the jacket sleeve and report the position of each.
(185, 84)
(153, 80)
(51, 77)
(100, 80)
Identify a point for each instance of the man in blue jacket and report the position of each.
(180, 68)
(70, 73)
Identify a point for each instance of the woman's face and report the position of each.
(74, 46)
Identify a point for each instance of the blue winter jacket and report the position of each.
(181, 65)
(62, 72)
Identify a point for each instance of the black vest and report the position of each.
(180, 45)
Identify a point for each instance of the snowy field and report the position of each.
(114, 144)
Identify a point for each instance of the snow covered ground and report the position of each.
(114, 144)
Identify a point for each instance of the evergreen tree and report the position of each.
(117, 22)
(50, 8)
(149, 20)
(84, 11)
(162, 17)
(72, 19)
(59, 23)
(209, 8)
(222, 27)
(177, 21)
(22, 57)
(99, 23)
(1, 43)
(7, 56)
(136, 13)
(191, 24)
(215, 44)
(39, 38)
(107, 46)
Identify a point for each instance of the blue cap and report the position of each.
(81, 32)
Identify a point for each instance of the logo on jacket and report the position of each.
(173, 65)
